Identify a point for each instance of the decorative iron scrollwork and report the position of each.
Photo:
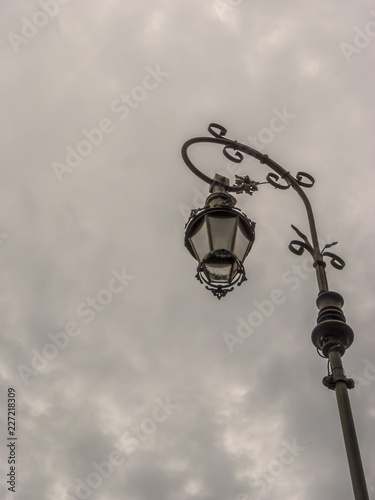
(236, 158)
(222, 131)
(279, 178)
(301, 175)
(193, 212)
(336, 261)
(220, 291)
(246, 184)
(273, 179)
(298, 247)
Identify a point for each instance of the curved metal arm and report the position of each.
(233, 151)
(332, 336)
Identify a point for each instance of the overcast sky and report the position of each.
(133, 382)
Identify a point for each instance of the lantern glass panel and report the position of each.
(244, 241)
(199, 239)
(222, 230)
(220, 269)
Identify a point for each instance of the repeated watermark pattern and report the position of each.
(361, 40)
(3, 236)
(285, 458)
(31, 27)
(366, 378)
(277, 123)
(87, 309)
(265, 308)
(74, 156)
(200, 195)
(130, 441)
(226, 8)
(120, 106)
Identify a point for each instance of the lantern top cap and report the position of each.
(220, 200)
(219, 183)
(219, 196)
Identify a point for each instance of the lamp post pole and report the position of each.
(348, 428)
(332, 335)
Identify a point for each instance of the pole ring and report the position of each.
(319, 262)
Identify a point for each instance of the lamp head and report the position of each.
(219, 236)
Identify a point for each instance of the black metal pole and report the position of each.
(348, 429)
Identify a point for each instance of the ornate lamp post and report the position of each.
(220, 236)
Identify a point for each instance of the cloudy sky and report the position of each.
(126, 384)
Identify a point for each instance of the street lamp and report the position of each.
(220, 236)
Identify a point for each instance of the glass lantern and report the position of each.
(219, 236)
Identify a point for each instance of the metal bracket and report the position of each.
(298, 247)
(330, 381)
(246, 184)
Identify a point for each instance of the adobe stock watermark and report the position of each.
(200, 196)
(122, 106)
(362, 38)
(366, 378)
(278, 122)
(265, 308)
(3, 236)
(226, 8)
(31, 27)
(87, 309)
(131, 440)
(74, 156)
(285, 458)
